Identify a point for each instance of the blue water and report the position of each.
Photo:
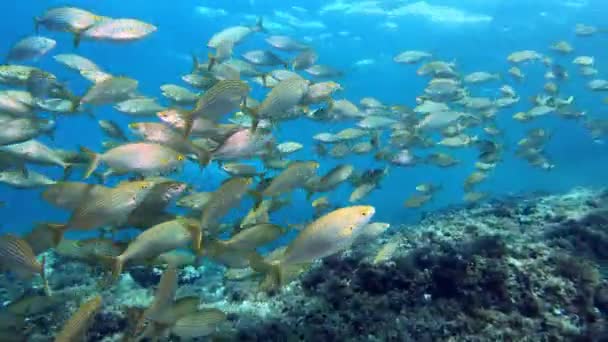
(516, 25)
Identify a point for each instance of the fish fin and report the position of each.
(77, 38)
(203, 156)
(259, 25)
(264, 77)
(36, 24)
(58, 229)
(195, 63)
(272, 271)
(197, 237)
(309, 194)
(51, 135)
(188, 123)
(45, 282)
(67, 171)
(24, 170)
(212, 61)
(330, 104)
(257, 198)
(117, 266)
(95, 159)
(253, 113)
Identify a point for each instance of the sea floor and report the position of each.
(523, 268)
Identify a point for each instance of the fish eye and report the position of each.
(364, 213)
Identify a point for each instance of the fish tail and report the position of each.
(95, 159)
(45, 283)
(117, 266)
(253, 113)
(57, 229)
(36, 24)
(212, 61)
(257, 198)
(77, 38)
(203, 156)
(188, 123)
(272, 271)
(197, 237)
(264, 76)
(259, 25)
(67, 171)
(195, 63)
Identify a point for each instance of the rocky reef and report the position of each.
(530, 268)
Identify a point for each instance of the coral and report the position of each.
(492, 272)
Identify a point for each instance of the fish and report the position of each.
(140, 157)
(17, 256)
(76, 62)
(139, 106)
(33, 151)
(386, 252)
(264, 58)
(474, 178)
(285, 43)
(199, 324)
(179, 95)
(195, 201)
(227, 196)
(289, 147)
(240, 169)
(249, 238)
(117, 30)
(374, 229)
(331, 180)
(223, 52)
(91, 251)
(164, 298)
(112, 90)
(361, 191)
(281, 98)
(45, 236)
(411, 57)
(17, 179)
(109, 207)
(159, 239)
(166, 136)
(243, 144)
(295, 176)
(29, 305)
(15, 75)
(235, 34)
(112, 129)
(13, 104)
(95, 76)
(323, 71)
(524, 56)
(66, 19)
(80, 320)
(418, 200)
(70, 195)
(223, 98)
(30, 48)
(320, 92)
(304, 60)
(331, 233)
(24, 129)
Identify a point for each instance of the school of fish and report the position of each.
(133, 181)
